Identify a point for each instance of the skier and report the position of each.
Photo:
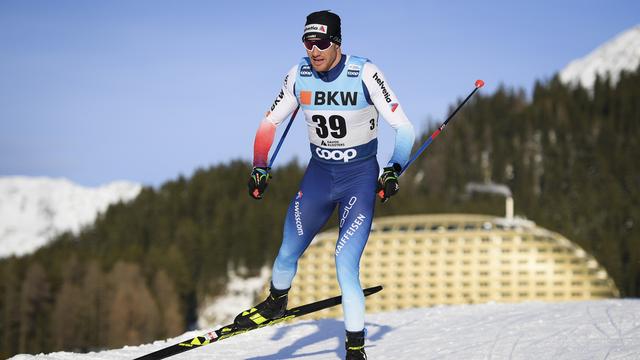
(341, 96)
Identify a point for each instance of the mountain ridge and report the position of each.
(33, 210)
(621, 53)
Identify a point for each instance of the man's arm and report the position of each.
(283, 105)
(387, 104)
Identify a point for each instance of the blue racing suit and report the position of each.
(341, 108)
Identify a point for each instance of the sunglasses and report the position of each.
(322, 44)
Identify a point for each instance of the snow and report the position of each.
(240, 294)
(620, 53)
(35, 209)
(604, 329)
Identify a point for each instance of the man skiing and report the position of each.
(341, 97)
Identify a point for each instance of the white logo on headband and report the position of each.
(315, 28)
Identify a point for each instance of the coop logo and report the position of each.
(305, 70)
(278, 99)
(353, 70)
(315, 28)
(385, 92)
(337, 155)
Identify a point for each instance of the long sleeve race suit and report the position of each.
(341, 109)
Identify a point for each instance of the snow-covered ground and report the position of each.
(35, 209)
(618, 54)
(241, 293)
(607, 329)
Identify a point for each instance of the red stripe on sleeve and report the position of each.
(264, 139)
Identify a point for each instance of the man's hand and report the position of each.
(258, 181)
(388, 182)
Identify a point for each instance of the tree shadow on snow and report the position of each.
(326, 329)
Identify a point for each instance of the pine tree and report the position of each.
(34, 310)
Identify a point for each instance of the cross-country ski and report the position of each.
(230, 330)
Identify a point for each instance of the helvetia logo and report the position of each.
(315, 28)
(385, 92)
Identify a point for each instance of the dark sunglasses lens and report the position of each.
(323, 44)
(320, 44)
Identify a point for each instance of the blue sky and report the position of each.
(147, 90)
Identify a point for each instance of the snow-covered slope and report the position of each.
(240, 294)
(608, 329)
(620, 53)
(33, 210)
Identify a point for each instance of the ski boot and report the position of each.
(355, 346)
(273, 307)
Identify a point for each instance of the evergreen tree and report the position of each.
(34, 310)
(10, 325)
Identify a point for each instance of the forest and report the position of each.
(140, 272)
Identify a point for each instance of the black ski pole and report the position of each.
(478, 84)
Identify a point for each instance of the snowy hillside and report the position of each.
(608, 329)
(32, 210)
(620, 53)
(241, 293)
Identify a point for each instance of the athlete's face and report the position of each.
(324, 60)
